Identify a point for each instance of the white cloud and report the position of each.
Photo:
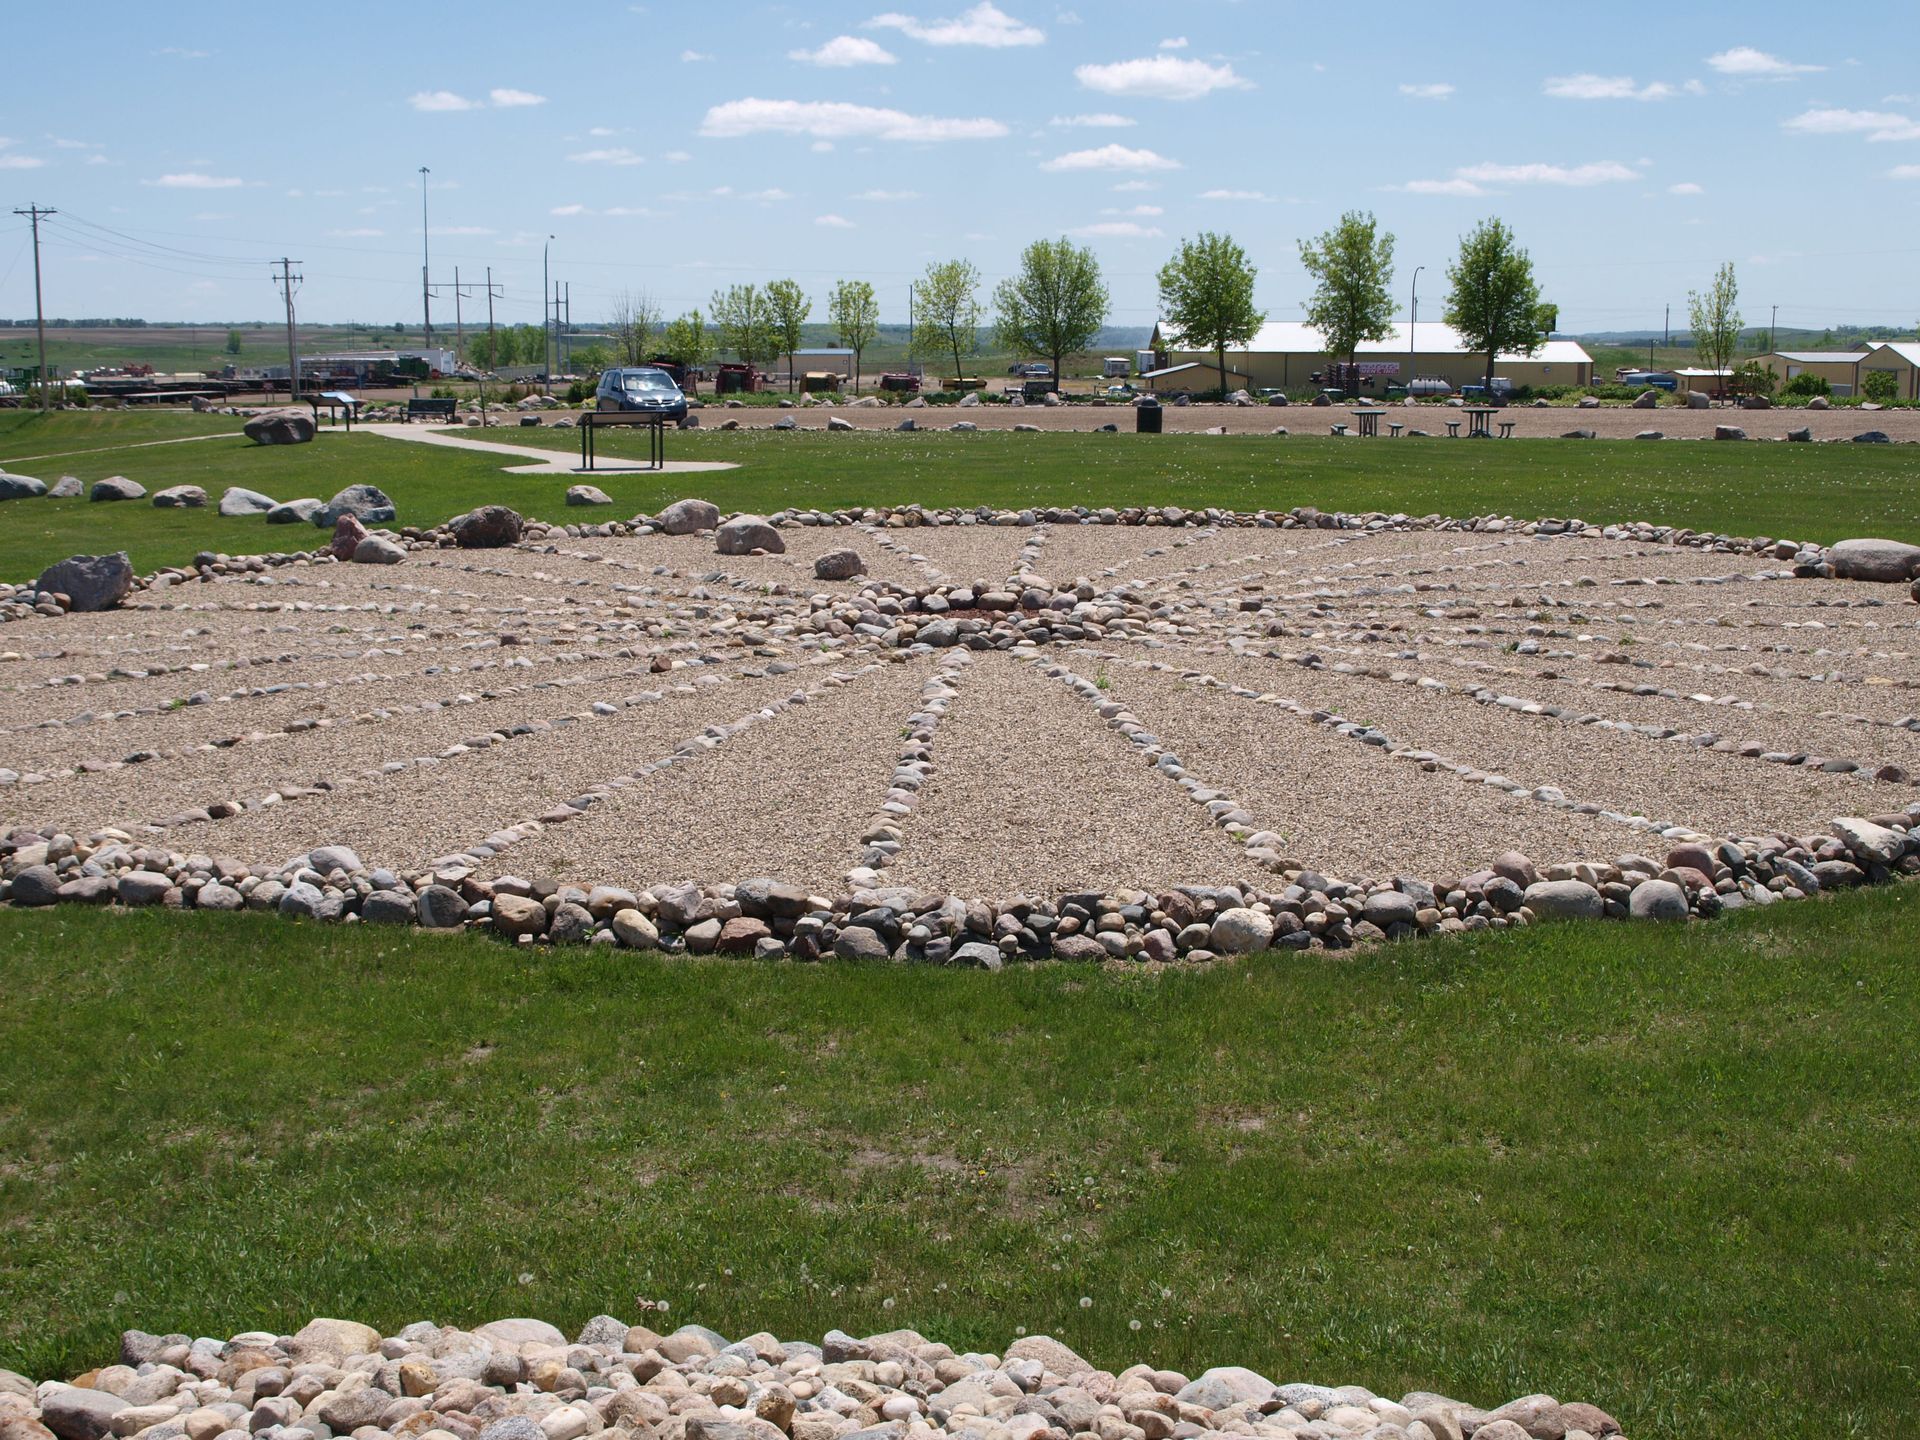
(833, 222)
(359, 232)
(178, 53)
(461, 230)
(694, 57)
(1139, 211)
(98, 160)
(1127, 187)
(513, 99)
(1102, 121)
(193, 180)
(985, 24)
(845, 50)
(1120, 230)
(1587, 86)
(435, 101)
(821, 147)
(676, 157)
(1442, 187)
(570, 210)
(1111, 157)
(1686, 187)
(1596, 172)
(838, 120)
(769, 196)
(1904, 172)
(1160, 77)
(1234, 195)
(887, 195)
(60, 143)
(616, 155)
(1429, 90)
(1746, 63)
(1874, 124)
(1175, 42)
(602, 132)
(21, 162)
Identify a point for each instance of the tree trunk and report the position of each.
(856, 370)
(1220, 353)
(1491, 352)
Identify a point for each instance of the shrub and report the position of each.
(1753, 378)
(1804, 386)
(1881, 385)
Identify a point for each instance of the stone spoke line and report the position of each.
(914, 767)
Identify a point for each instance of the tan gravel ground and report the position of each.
(788, 798)
(1033, 794)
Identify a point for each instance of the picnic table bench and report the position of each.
(1479, 421)
(592, 420)
(1369, 419)
(443, 409)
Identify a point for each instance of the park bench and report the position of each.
(593, 420)
(430, 409)
(1506, 429)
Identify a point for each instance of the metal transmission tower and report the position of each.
(287, 280)
(35, 214)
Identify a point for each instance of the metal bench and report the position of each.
(593, 420)
(1340, 427)
(431, 409)
(1506, 429)
(1453, 429)
(1394, 427)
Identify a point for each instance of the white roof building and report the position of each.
(1286, 352)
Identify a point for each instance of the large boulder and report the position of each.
(744, 534)
(1696, 400)
(587, 495)
(1888, 561)
(67, 487)
(491, 527)
(366, 503)
(348, 532)
(1646, 400)
(180, 497)
(21, 487)
(379, 550)
(239, 501)
(90, 582)
(293, 512)
(116, 487)
(1728, 432)
(1565, 900)
(280, 427)
(686, 517)
(839, 565)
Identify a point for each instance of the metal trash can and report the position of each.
(1146, 418)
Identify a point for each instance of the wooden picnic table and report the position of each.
(1369, 419)
(1479, 420)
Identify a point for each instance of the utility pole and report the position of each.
(566, 334)
(286, 281)
(1773, 326)
(426, 306)
(546, 330)
(34, 214)
(459, 327)
(1413, 324)
(492, 353)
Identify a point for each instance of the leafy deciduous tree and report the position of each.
(946, 314)
(690, 342)
(744, 321)
(1494, 301)
(789, 308)
(855, 313)
(1206, 297)
(1352, 266)
(1054, 305)
(235, 340)
(635, 318)
(1714, 318)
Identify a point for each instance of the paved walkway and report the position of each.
(133, 445)
(546, 462)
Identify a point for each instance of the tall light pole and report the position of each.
(1773, 326)
(1413, 319)
(546, 329)
(426, 313)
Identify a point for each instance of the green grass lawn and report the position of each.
(1821, 492)
(1668, 1171)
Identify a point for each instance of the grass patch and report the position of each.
(1814, 492)
(1670, 1172)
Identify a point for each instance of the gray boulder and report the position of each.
(21, 487)
(744, 534)
(379, 550)
(1888, 561)
(239, 501)
(1728, 432)
(36, 885)
(1873, 437)
(366, 503)
(1697, 401)
(116, 487)
(280, 427)
(839, 565)
(587, 495)
(1238, 931)
(80, 1414)
(293, 512)
(1657, 900)
(491, 527)
(687, 517)
(1819, 402)
(90, 582)
(1646, 400)
(1565, 900)
(67, 487)
(180, 497)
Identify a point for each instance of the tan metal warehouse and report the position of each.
(1902, 357)
(1839, 368)
(1286, 354)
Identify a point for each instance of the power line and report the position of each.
(286, 281)
(34, 214)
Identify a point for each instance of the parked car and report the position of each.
(645, 388)
(1036, 372)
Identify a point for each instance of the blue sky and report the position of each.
(675, 147)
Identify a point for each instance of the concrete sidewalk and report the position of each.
(545, 462)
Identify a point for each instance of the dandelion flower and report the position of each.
(1086, 1302)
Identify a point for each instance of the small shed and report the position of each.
(1712, 383)
(1839, 368)
(1902, 357)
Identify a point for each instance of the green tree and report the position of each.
(790, 308)
(946, 314)
(484, 349)
(855, 313)
(1714, 317)
(1352, 268)
(1493, 299)
(1054, 305)
(744, 320)
(592, 360)
(1206, 297)
(235, 340)
(690, 342)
